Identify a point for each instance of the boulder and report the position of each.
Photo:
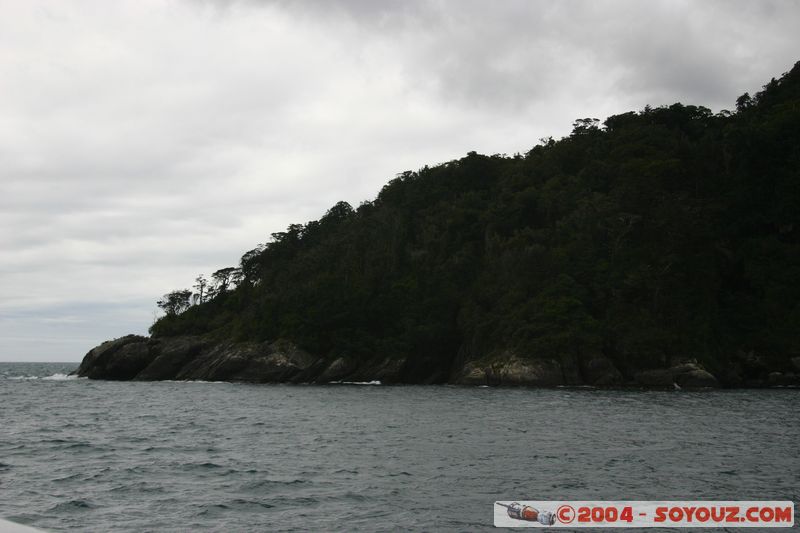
(688, 374)
(196, 358)
(119, 359)
(540, 372)
(696, 379)
(512, 370)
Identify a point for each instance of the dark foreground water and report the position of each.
(105, 456)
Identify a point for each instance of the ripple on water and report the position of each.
(101, 456)
(72, 506)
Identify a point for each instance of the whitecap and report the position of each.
(376, 382)
(60, 377)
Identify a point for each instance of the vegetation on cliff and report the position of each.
(664, 234)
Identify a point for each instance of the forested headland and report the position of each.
(656, 239)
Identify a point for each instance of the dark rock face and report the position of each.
(119, 359)
(134, 357)
(599, 371)
(195, 358)
(172, 356)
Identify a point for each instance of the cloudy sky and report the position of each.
(145, 142)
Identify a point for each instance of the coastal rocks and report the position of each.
(539, 372)
(781, 379)
(118, 359)
(134, 357)
(513, 370)
(172, 354)
(753, 370)
(194, 358)
(685, 375)
(337, 370)
(696, 379)
(247, 361)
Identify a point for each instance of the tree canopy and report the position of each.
(668, 232)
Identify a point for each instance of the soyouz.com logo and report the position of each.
(619, 514)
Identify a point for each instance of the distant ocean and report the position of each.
(80, 455)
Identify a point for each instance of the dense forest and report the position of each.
(654, 236)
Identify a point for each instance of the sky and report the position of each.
(144, 142)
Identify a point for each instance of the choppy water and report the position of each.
(108, 456)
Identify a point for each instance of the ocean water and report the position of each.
(89, 455)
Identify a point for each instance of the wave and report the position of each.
(376, 382)
(52, 377)
(60, 377)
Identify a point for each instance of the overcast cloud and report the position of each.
(145, 142)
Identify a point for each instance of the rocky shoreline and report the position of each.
(135, 357)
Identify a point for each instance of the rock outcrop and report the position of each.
(118, 359)
(134, 357)
(690, 375)
(511, 369)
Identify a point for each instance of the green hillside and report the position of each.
(664, 234)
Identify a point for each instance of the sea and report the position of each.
(84, 455)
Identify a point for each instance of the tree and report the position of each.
(175, 302)
(743, 102)
(582, 126)
(668, 232)
(224, 278)
(250, 263)
(200, 284)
